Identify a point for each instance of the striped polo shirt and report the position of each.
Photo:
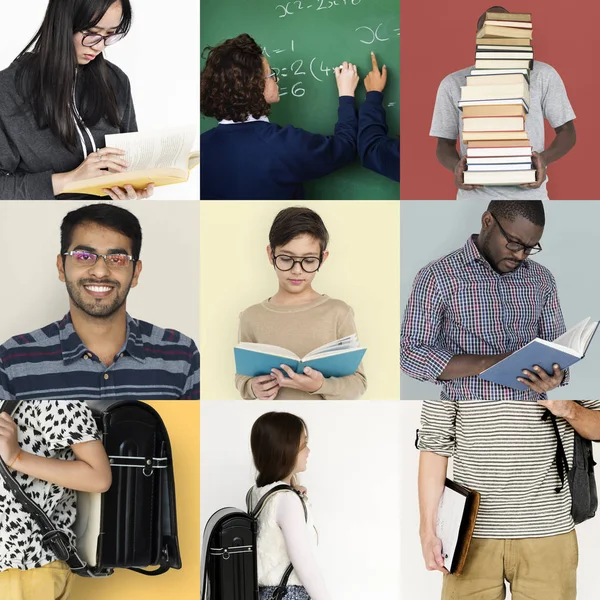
(460, 305)
(53, 363)
(504, 450)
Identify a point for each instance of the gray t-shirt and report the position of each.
(548, 99)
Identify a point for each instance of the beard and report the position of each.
(97, 307)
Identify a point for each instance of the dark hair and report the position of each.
(294, 221)
(490, 9)
(106, 215)
(275, 441)
(232, 83)
(47, 75)
(532, 210)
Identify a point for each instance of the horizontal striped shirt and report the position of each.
(460, 305)
(503, 449)
(53, 363)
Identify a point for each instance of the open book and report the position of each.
(456, 516)
(335, 359)
(159, 157)
(564, 351)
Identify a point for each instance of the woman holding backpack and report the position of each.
(286, 532)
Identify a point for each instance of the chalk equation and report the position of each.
(372, 35)
(292, 8)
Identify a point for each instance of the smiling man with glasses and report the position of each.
(98, 351)
(475, 306)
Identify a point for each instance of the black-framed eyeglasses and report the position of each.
(517, 246)
(83, 258)
(274, 74)
(91, 39)
(309, 264)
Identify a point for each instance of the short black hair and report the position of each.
(294, 221)
(490, 9)
(106, 215)
(532, 210)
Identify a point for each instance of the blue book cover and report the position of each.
(252, 362)
(564, 351)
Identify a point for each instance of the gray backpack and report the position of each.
(581, 478)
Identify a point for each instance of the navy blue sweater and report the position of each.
(264, 161)
(377, 151)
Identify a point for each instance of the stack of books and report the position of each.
(495, 103)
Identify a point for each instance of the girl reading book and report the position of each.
(246, 156)
(58, 100)
(286, 532)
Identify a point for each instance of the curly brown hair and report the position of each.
(232, 83)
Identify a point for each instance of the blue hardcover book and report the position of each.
(564, 351)
(336, 359)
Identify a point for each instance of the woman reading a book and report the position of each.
(58, 100)
(246, 156)
(286, 531)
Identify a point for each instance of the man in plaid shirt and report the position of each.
(472, 308)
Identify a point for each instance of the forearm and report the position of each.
(432, 476)
(351, 387)
(585, 421)
(244, 387)
(447, 154)
(31, 186)
(72, 474)
(561, 144)
(469, 365)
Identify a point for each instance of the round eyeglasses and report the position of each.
(274, 74)
(309, 264)
(83, 258)
(91, 39)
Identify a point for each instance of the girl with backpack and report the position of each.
(286, 532)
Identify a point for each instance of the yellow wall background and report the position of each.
(182, 419)
(363, 270)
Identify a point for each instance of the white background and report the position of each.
(160, 55)
(167, 293)
(419, 583)
(353, 480)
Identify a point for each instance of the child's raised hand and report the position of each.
(311, 381)
(265, 387)
(347, 78)
(375, 80)
(9, 444)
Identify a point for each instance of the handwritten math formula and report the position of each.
(291, 8)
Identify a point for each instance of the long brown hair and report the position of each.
(275, 440)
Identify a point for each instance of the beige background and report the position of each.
(363, 269)
(31, 295)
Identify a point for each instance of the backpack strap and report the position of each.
(281, 590)
(9, 406)
(560, 458)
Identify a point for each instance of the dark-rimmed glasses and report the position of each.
(91, 39)
(274, 74)
(309, 264)
(83, 258)
(517, 246)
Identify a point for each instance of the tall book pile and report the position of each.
(495, 103)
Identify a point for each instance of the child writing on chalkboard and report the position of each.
(297, 317)
(246, 156)
(377, 151)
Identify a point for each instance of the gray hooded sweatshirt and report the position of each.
(30, 155)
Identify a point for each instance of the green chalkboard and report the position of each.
(304, 40)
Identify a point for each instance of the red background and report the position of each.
(438, 38)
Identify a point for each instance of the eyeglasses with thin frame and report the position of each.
(309, 264)
(91, 39)
(517, 246)
(274, 74)
(83, 258)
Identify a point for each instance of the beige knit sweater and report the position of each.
(301, 329)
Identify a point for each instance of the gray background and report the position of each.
(431, 229)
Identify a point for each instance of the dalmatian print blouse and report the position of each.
(47, 428)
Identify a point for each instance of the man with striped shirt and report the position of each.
(98, 351)
(524, 532)
(472, 308)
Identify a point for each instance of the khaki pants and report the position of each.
(50, 582)
(535, 568)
